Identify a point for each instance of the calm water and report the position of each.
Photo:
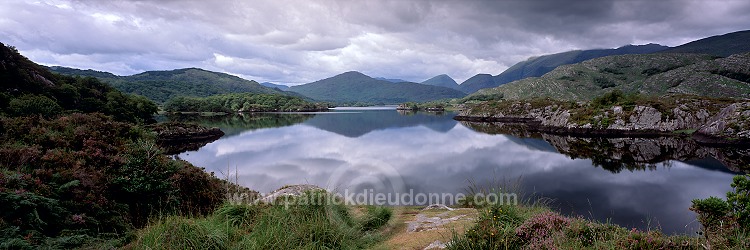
(634, 182)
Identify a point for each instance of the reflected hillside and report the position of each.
(618, 154)
(356, 124)
(235, 124)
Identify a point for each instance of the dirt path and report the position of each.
(415, 228)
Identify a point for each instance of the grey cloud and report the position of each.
(295, 42)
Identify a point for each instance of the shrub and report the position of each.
(375, 217)
(739, 200)
(34, 105)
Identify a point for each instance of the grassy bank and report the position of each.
(726, 225)
(281, 225)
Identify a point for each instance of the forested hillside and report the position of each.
(161, 86)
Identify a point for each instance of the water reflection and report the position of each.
(237, 123)
(433, 154)
(617, 154)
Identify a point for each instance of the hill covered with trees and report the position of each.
(30, 89)
(161, 86)
(242, 102)
(77, 165)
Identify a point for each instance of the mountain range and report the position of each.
(538, 66)
(647, 74)
(721, 45)
(353, 87)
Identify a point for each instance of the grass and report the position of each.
(283, 225)
(537, 227)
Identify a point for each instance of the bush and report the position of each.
(739, 199)
(726, 223)
(68, 180)
(34, 105)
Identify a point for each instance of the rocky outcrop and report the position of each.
(291, 190)
(730, 126)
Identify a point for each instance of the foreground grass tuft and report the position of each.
(282, 225)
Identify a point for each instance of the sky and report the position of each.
(294, 41)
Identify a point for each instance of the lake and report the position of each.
(634, 182)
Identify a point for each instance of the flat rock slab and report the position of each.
(425, 223)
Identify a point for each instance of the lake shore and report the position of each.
(708, 121)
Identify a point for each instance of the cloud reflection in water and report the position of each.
(443, 161)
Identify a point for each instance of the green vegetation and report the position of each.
(29, 89)
(353, 87)
(538, 66)
(531, 225)
(79, 179)
(287, 224)
(71, 180)
(726, 224)
(649, 75)
(161, 86)
(439, 105)
(243, 102)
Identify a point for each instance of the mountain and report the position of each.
(351, 87)
(647, 74)
(29, 89)
(538, 66)
(721, 45)
(393, 80)
(477, 82)
(272, 85)
(442, 81)
(161, 86)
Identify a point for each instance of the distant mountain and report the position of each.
(393, 80)
(272, 85)
(538, 66)
(353, 87)
(721, 45)
(477, 82)
(442, 81)
(161, 86)
(648, 74)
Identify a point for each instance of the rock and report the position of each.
(438, 207)
(730, 126)
(687, 114)
(292, 190)
(424, 223)
(436, 245)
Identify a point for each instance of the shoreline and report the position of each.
(535, 125)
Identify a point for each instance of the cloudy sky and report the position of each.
(293, 42)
